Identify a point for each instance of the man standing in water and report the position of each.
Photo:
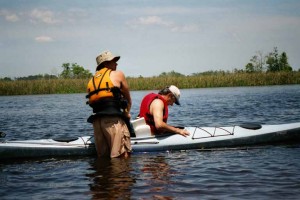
(109, 96)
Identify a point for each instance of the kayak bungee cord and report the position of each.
(214, 132)
(86, 142)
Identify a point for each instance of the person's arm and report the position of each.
(156, 109)
(120, 81)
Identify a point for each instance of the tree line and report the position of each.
(271, 62)
(70, 71)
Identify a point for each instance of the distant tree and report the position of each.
(276, 62)
(256, 63)
(272, 61)
(283, 63)
(66, 73)
(31, 77)
(250, 68)
(238, 70)
(74, 71)
(48, 76)
(171, 74)
(5, 79)
(79, 72)
(211, 72)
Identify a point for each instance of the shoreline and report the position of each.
(69, 86)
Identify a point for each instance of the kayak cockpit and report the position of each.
(141, 129)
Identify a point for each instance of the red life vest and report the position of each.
(145, 110)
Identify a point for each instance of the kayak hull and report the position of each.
(199, 138)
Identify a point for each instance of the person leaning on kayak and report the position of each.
(154, 108)
(109, 96)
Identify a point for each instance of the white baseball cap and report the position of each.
(176, 92)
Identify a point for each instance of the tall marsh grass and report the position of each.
(50, 86)
(57, 86)
(218, 80)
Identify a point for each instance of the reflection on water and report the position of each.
(156, 172)
(111, 178)
(136, 177)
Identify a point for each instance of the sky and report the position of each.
(151, 36)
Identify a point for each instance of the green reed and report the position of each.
(50, 86)
(217, 80)
(58, 86)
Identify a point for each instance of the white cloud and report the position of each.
(11, 17)
(75, 15)
(185, 29)
(77, 12)
(158, 21)
(152, 20)
(153, 10)
(43, 39)
(44, 16)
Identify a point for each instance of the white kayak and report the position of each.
(200, 138)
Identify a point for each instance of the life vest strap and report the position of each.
(96, 91)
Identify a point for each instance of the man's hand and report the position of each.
(184, 132)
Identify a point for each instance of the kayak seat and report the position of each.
(66, 139)
(251, 126)
(140, 127)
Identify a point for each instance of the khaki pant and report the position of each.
(112, 137)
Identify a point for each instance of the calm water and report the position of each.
(271, 172)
